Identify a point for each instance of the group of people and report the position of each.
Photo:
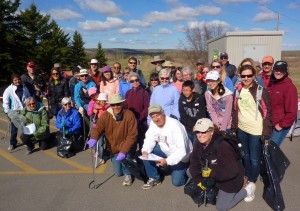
(177, 116)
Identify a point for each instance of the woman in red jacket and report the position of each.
(284, 102)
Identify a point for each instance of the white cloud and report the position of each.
(293, 5)
(129, 31)
(110, 23)
(139, 23)
(181, 13)
(214, 23)
(134, 41)
(64, 14)
(164, 31)
(106, 7)
(265, 15)
(240, 1)
(69, 29)
(180, 28)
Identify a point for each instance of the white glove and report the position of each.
(81, 111)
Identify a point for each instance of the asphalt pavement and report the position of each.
(44, 181)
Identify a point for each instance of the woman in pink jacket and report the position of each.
(109, 84)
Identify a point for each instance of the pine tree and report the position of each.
(100, 55)
(77, 53)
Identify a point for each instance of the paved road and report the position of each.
(43, 181)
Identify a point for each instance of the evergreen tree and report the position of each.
(77, 53)
(100, 55)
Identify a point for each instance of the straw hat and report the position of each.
(116, 98)
(157, 59)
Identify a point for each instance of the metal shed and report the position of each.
(240, 45)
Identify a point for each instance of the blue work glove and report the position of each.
(66, 132)
(62, 124)
(121, 156)
(91, 143)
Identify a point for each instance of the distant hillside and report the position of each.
(128, 51)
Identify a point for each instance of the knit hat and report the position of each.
(106, 69)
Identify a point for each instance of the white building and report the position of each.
(240, 45)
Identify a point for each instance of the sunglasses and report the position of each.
(55, 74)
(84, 76)
(222, 58)
(267, 63)
(198, 132)
(218, 66)
(164, 78)
(31, 104)
(67, 104)
(115, 105)
(135, 80)
(132, 62)
(117, 68)
(154, 80)
(248, 76)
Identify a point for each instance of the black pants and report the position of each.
(13, 134)
(27, 140)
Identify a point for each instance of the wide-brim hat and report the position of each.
(83, 72)
(115, 98)
(168, 64)
(94, 61)
(202, 125)
(157, 59)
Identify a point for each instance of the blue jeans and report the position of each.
(119, 168)
(177, 171)
(13, 134)
(192, 136)
(253, 153)
(278, 136)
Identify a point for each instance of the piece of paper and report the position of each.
(29, 129)
(151, 157)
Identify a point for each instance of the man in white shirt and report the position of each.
(167, 138)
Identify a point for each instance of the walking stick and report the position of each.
(205, 168)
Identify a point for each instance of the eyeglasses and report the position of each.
(132, 62)
(135, 80)
(31, 104)
(117, 68)
(94, 64)
(55, 74)
(84, 76)
(67, 104)
(218, 66)
(248, 76)
(164, 78)
(116, 105)
(199, 132)
(222, 58)
(154, 80)
(204, 72)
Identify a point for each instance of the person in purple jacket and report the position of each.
(218, 101)
(284, 102)
(137, 100)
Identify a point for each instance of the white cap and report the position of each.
(102, 96)
(213, 75)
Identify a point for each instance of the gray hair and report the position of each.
(65, 100)
(164, 72)
(29, 99)
(189, 70)
(131, 74)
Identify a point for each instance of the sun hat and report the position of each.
(157, 59)
(115, 98)
(94, 61)
(83, 72)
(57, 65)
(168, 64)
(268, 59)
(203, 125)
(281, 66)
(31, 63)
(92, 90)
(106, 69)
(213, 75)
(155, 108)
(102, 96)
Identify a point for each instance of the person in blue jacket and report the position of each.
(81, 96)
(68, 119)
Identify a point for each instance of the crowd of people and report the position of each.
(177, 116)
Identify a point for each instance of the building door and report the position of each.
(256, 52)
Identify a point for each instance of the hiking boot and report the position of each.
(11, 147)
(29, 151)
(127, 180)
(250, 188)
(151, 183)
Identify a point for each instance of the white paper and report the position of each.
(151, 157)
(29, 129)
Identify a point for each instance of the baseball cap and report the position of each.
(281, 66)
(155, 108)
(212, 75)
(31, 64)
(223, 54)
(268, 59)
(203, 125)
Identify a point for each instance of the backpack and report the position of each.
(84, 96)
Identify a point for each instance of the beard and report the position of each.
(158, 68)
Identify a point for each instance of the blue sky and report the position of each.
(160, 24)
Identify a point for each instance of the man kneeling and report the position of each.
(166, 138)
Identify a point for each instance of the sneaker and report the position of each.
(150, 183)
(11, 147)
(127, 180)
(101, 161)
(246, 182)
(250, 188)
